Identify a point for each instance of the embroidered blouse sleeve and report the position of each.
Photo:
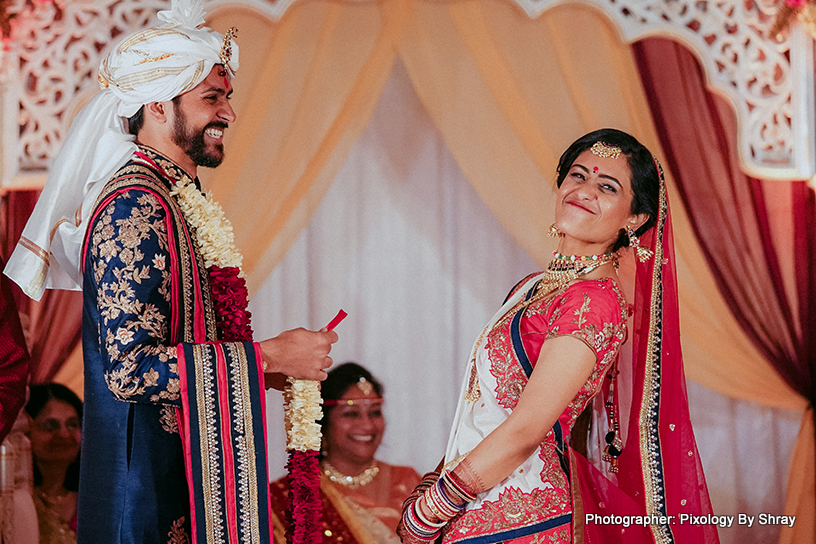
(128, 261)
(591, 311)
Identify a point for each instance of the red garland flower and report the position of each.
(230, 299)
(304, 498)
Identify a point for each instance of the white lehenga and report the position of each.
(536, 496)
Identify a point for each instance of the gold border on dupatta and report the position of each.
(248, 488)
(653, 480)
(207, 427)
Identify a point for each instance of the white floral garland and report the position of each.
(216, 241)
(213, 230)
(301, 404)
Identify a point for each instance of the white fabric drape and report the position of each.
(404, 244)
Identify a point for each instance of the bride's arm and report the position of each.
(563, 366)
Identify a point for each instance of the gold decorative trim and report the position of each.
(210, 473)
(653, 481)
(35, 286)
(239, 368)
(605, 150)
(130, 81)
(194, 80)
(144, 36)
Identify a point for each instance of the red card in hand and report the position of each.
(341, 315)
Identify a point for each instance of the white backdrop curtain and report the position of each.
(406, 246)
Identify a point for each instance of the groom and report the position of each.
(173, 444)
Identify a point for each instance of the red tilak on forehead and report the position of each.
(595, 169)
(227, 85)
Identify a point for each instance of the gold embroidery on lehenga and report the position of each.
(473, 392)
(552, 471)
(510, 377)
(514, 509)
(552, 497)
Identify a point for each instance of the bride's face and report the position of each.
(594, 201)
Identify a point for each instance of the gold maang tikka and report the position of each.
(365, 386)
(605, 150)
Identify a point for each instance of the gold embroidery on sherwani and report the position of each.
(177, 534)
(117, 298)
(179, 176)
(211, 473)
(168, 419)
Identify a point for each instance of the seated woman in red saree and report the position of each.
(361, 497)
(509, 473)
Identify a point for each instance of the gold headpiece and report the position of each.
(605, 150)
(226, 46)
(353, 402)
(365, 386)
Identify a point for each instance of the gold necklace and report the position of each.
(352, 482)
(564, 269)
(561, 271)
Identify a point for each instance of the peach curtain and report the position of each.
(507, 93)
(304, 93)
(531, 89)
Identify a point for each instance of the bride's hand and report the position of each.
(405, 535)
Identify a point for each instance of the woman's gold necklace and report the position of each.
(352, 482)
(564, 269)
(561, 271)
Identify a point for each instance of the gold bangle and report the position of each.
(432, 507)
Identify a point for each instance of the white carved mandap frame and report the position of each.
(769, 82)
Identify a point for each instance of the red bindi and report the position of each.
(595, 169)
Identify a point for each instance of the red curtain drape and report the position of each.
(730, 215)
(53, 325)
(767, 278)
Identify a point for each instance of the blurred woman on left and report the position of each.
(55, 440)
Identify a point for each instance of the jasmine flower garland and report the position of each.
(216, 241)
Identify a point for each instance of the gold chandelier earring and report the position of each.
(643, 253)
(554, 232)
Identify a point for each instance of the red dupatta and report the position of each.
(659, 494)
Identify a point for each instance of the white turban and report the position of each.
(153, 65)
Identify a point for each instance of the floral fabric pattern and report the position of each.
(150, 326)
(129, 256)
(534, 504)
